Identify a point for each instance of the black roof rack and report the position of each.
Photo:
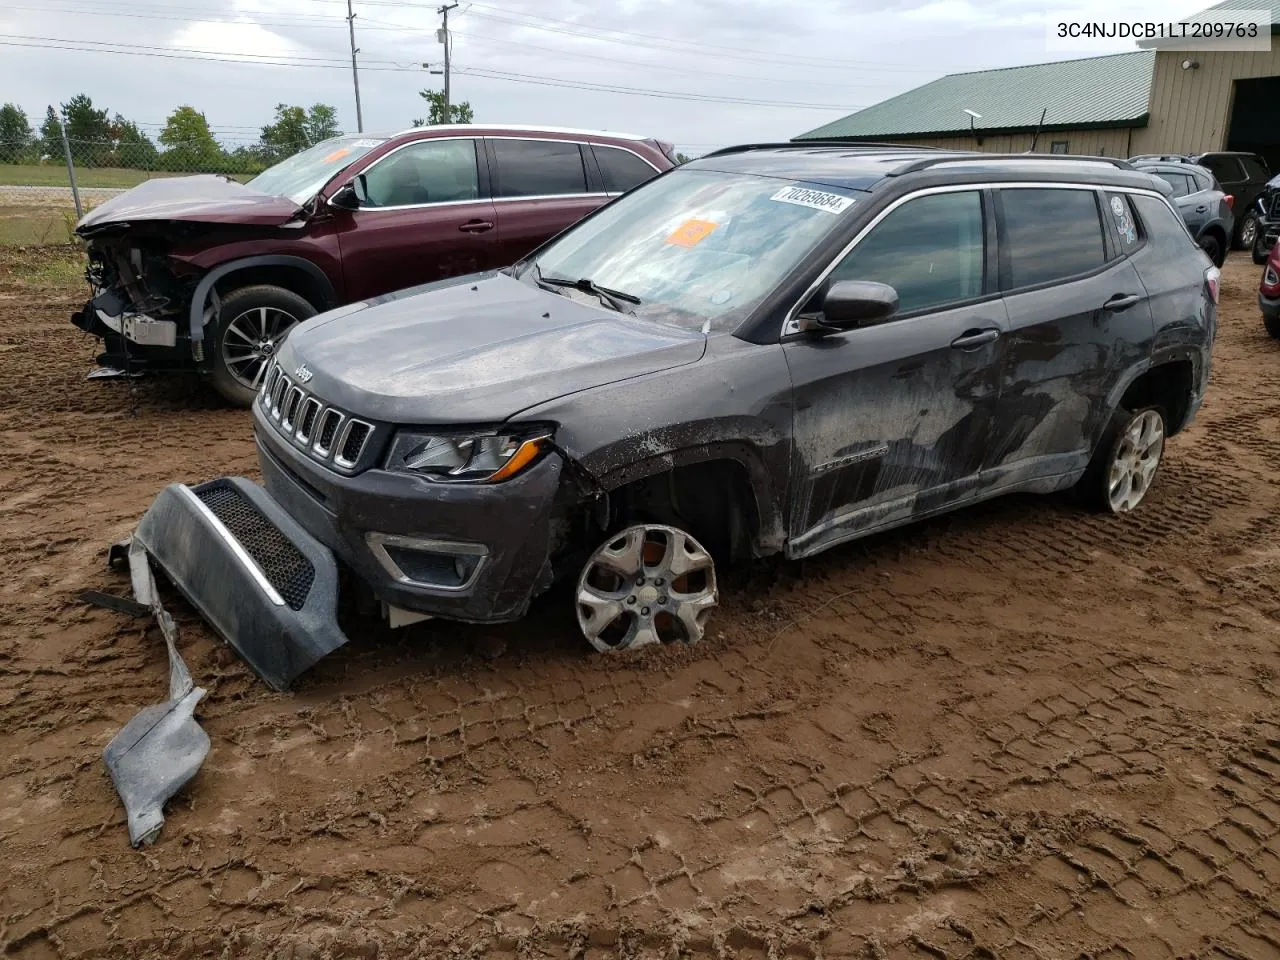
(875, 147)
(925, 163)
(1165, 158)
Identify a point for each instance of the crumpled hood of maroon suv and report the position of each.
(205, 198)
(475, 350)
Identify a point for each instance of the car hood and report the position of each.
(204, 198)
(475, 350)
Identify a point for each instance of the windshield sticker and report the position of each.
(364, 144)
(691, 233)
(1124, 222)
(814, 199)
(337, 155)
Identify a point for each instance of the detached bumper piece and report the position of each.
(162, 747)
(268, 587)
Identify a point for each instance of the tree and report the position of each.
(17, 142)
(189, 146)
(681, 158)
(51, 134)
(133, 148)
(88, 130)
(295, 129)
(458, 112)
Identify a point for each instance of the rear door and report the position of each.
(1078, 314)
(540, 187)
(426, 218)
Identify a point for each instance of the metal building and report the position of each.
(1151, 101)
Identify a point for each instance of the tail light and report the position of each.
(1231, 201)
(1212, 279)
(1271, 279)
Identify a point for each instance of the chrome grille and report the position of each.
(1275, 207)
(326, 433)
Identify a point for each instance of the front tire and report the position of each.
(252, 323)
(1273, 325)
(1125, 464)
(648, 583)
(1259, 251)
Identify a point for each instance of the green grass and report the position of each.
(55, 175)
(35, 226)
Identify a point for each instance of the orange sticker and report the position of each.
(336, 155)
(691, 233)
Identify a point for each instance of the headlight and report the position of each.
(467, 458)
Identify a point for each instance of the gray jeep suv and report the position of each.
(772, 349)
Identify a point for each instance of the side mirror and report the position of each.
(351, 195)
(850, 304)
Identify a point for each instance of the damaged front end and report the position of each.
(140, 304)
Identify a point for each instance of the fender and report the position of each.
(769, 536)
(199, 299)
(1195, 355)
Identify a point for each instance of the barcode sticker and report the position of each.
(814, 199)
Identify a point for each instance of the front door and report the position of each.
(891, 420)
(424, 219)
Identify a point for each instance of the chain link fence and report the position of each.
(46, 187)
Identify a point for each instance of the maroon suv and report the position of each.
(206, 274)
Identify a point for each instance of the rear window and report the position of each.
(1225, 169)
(1049, 234)
(622, 169)
(1164, 228)
(539, 168)
(1255, 168)
(1182, 183)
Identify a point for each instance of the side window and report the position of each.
(1176, 180)
(930, 250)
(1255, 170)
(1226, 169)
(622, 169)
(1049, 234)
(1125, 223)
(537, 168)
(430, 171)
(1165, 229)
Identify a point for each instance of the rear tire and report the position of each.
(252, 323)
(1247, 231)
(1259, 251)
(1126, 461)
(1213, 248)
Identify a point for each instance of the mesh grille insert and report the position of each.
(285, 566)
(328, 429)
(307, 419)
(357, 434)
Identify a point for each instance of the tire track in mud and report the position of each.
(1016, 731)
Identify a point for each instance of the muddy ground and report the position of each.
(1020, 731)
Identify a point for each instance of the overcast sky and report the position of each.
(819, 61)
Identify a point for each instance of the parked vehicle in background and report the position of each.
(1267, 209)
(1269, 292)
(1205, 208)
(206, 274)
(1241, 175)
(770, 349)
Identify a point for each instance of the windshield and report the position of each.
(696, 248)
(303, 174)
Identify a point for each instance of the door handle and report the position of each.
(1121, 301)
(973, 339)
(476, 226)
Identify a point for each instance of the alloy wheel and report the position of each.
(1134, 462)
(250, 341)
(649, 583)
(1248, 232)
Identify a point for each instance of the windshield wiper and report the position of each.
(611, 298)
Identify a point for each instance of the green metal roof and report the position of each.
(1107, 91)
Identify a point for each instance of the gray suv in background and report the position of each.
(1203, 205)
(773, 349)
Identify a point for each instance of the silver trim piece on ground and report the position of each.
(241, 554)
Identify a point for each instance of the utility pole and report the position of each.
(444, 38)
(355, 74)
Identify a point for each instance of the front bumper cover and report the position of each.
(267, 587)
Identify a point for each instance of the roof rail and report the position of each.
(1165, 158)
(801, 144)
(927, 162)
